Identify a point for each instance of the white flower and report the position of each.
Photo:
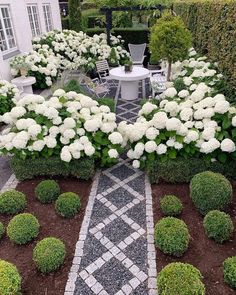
(38, 145)
(172, 107)
(92, 125)
(227, 145)
(161, 149)
(136, 164)
(183, 93)
(69, 134)
(150, 146)
(89, 150)
(187, 81)
(69, 123)
(113, 153)
(222, 107)
(17, 112)
(51, 142)
(170, 92)
(173, 124)
(59, 92)
(209, 146)
(34, 130)
(115, 138)
(159, 120)
(65, 153)
(186, 114)
(192, 135)
(234, 121)
(148, 108)
(208, 133)
(152, 133)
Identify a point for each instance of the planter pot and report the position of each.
(153, 67)
(23, 72)
(128, 68)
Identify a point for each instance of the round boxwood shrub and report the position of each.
(2, 230)
(10, 279)
(23, 228)
(171, 205)
(180, 278)
(47, 191)
(172, 236)
(68, 204)
(210, 191)
(12, 202)
(230, 271)
(218, 226)
(49, 254)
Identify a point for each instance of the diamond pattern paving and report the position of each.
(115, 253)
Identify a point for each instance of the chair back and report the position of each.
(102, 68)
(137, 52)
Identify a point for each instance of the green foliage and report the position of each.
(107, 102)
(2, 230)
(6, 104)
(47, 191)
(218, 226)
(12, 202)
(65, 23)
(30, 168)
(49, 254)
(121, 3)
(68, 204)
(180, 278)
(230, 271)
(213, 23)
(172, 236)
(23, 228)
(73, 85)
(181, 170)
(10, 279)
(74, 15)
(87, 15)
(153, 101)
(122, 19)
(171, 205)
(112, 59)
(210, 191)
(170, 40)
(179, 84)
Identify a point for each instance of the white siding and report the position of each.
(22, 29)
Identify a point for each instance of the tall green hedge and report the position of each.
(213, 25)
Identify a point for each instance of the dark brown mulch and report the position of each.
(203, 253)
(34, 283)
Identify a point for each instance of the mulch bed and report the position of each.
(203, 253)
(34, 283)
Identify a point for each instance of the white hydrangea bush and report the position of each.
(78, 50)
(69, 125)
(42, 64)
(191, 121)
(9, 94)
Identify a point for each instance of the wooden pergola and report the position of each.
(108, 12)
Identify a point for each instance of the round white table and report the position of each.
(129, 82)
(24, 83)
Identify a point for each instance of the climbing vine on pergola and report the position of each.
(109, 10)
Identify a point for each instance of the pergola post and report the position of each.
(108, 25)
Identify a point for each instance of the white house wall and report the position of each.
(22, 28)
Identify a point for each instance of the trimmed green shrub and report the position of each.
(49, 254)
(2, 230)
(171, 205)
(210, 191)
(172, 236)
(74, 15)
(230, 271)
(180, 279)
(65, 23)
(73, 85)
(47, 191)
(181, 170)
(212, 23)
(12, 202)
(23, 228)
(30, 168)
(10, 279)
(218, 226)
(68, 204)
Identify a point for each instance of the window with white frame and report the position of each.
(34, 19)
(7, 36)
(48, 17)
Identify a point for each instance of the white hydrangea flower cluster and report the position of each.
(42, 64)
(9, 94)
(77, 49)
(68, 124)
(194, 121)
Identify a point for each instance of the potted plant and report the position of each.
(154, 63)
(112, 60)
(170, 40)
(20, 66)
(128, 66)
